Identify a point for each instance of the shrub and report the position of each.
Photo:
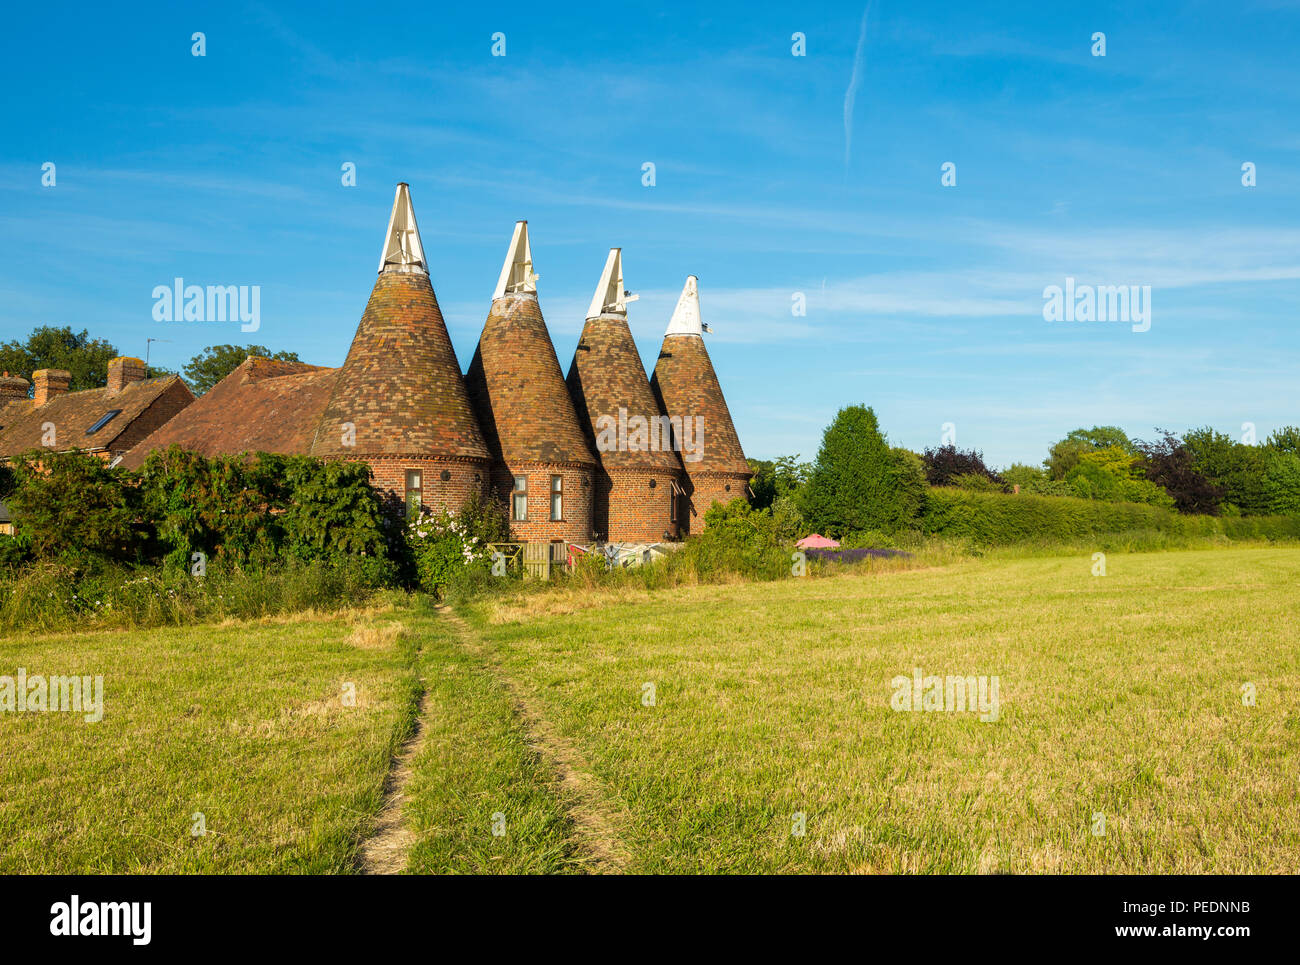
(217, 507)
(1065, 454)
(1168, 463)
(1112, 474)
(450, 549)
(71, 505)
(1256, 480)
(330, 514)
(787, 522)
(859, 482)
(774, 479)
(1001, 520)
(976, 482)
(738, 540)
(947, 463)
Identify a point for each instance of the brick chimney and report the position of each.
(12, 387)
(122, 371)
(49, 383)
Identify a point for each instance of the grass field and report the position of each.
(1119, 695)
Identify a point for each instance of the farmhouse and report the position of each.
(106, 421)
(513, 427)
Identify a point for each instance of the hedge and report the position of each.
(996, 519)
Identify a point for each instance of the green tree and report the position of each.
(215, 362)
(1286, 439)
(1239, 470)
(51, 347)
(1114, 475)
(1065, 454)
(777, 479)
(859, 483)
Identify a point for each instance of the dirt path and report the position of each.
(596, 821)
(386, 851)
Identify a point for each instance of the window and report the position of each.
(557, 497)
(104, 420)
(672, 503)
(519, 500)
(414, 494)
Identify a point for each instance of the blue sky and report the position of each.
(775, 174)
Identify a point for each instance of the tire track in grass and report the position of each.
(596, 822)
(387, 850)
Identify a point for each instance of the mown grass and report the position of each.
(244, 723)
(480, 800)
(1120, 695)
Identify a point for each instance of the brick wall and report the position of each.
(703, 489)
(466, 478)
(578, 485)
(171, 401)
(630, 510)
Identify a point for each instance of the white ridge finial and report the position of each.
(610, 295)
(517, 273)
(686, 316)
(402, 248)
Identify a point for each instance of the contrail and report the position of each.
(855, 81)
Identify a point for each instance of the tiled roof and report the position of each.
(518, 388)
(264, 405)
(607, 375)
(22, 424)
(401, 386)
(685, 385)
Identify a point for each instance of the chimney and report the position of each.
(49, 383)
(12, 387)
(122, 371)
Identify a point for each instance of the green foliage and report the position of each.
(59, 347)
(738, 540)
(1256, 480)
(1035, 479)
(774, 479)
(1065, 454)
(1003, 520)
(787, 522)
(330, 513)
(1113, 474)
(53, 595)
(215, 362)
(70, 505)
(1286, 439)
(451, 549)
(976, 482)
(264, 509)
(209, 506)
(858, 482)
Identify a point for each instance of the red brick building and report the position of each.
(640, 475)
(540, 460)
(686, 388)
(106, 421)
(512, 427)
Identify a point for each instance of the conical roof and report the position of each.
(685, 385)
(515, 382)
(607, 376)
(400, 387)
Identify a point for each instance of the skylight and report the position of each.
(104, 420)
